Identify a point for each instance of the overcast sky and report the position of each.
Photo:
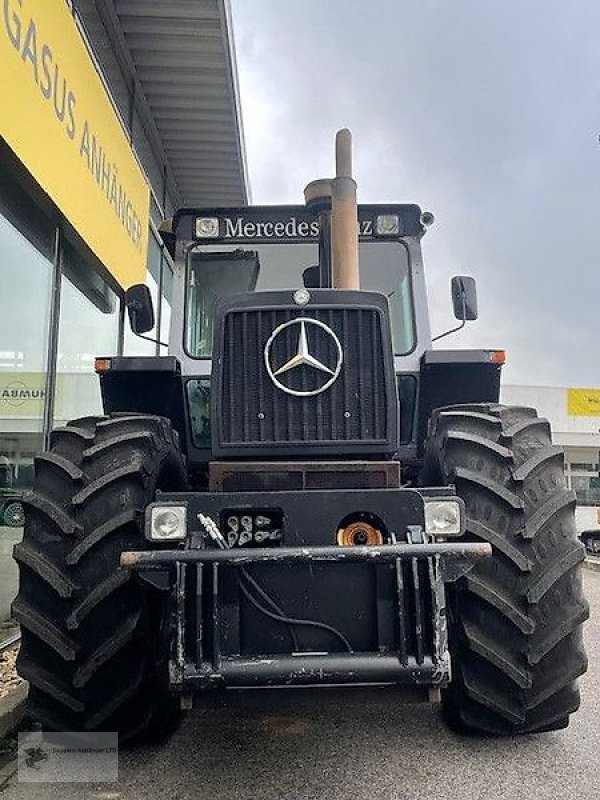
(486, 113)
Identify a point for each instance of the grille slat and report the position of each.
(245, 384)
(230, 409)
(332, 410)
(376, 430)
(345, 347)
(360, 387)
(353, 410)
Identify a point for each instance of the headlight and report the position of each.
(167, 523)
(443, 518)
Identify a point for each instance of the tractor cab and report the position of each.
(283, 248)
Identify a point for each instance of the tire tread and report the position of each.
(516, 621)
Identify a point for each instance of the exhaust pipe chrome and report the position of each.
(344, 217)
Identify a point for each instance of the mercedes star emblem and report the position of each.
(303, 357)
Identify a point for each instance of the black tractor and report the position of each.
(303, 492)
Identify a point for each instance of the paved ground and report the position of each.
(8, 569)
(354, 745)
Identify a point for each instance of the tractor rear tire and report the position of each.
(515, 620)
(95, 639)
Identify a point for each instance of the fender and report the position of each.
(448, 377)
(146, 385)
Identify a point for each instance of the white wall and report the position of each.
(551, 402)
(580, 437)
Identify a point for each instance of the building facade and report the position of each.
(574, 416)
(113, 113)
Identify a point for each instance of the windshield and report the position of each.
(218, 270)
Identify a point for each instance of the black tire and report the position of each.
(515, 621)
(95, 640)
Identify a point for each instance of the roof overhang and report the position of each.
(181, 59)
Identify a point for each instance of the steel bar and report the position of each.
(325, 668)
(419, 612)
(132, 559)
(401, 610)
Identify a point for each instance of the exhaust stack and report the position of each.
(344, 217)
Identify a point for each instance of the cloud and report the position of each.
(485, 113)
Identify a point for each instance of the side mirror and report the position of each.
(464, 297)
(138, 301)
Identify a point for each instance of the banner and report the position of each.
(583, 402)
(57, 117)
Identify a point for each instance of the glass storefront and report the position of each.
(159, 279)
(166, 303)
(135, 345)
(24, 318)
(57, 309)
(57, 313)
(26, 282)
(88, 327)
(587, 490)
(60, 309)
(59, 306)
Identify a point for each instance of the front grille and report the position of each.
(355, 410)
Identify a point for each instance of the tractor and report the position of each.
(302, 492)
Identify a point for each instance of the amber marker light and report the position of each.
(498, 356)
(102, 364)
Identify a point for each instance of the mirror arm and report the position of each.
(452, 330)
(458, 327)
(150, 339)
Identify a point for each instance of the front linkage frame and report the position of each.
(394, 619)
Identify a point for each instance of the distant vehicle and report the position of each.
(11, 509)
(587, 520)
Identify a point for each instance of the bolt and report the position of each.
(261, 415)
(347, 414)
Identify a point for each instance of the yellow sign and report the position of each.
(583, 402)
(57, 117)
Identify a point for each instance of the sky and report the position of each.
(486, 113)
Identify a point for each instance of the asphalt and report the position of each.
(353, 744)
(8, 569)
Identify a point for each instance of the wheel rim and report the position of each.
(14, 516)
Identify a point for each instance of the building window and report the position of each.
(134, 345)
(578, 466)
(24, 321)
(166, 304)
(159, 279)
(88, 327)
(587, 490)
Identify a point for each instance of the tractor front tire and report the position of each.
(515, 620)
(94, 639)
